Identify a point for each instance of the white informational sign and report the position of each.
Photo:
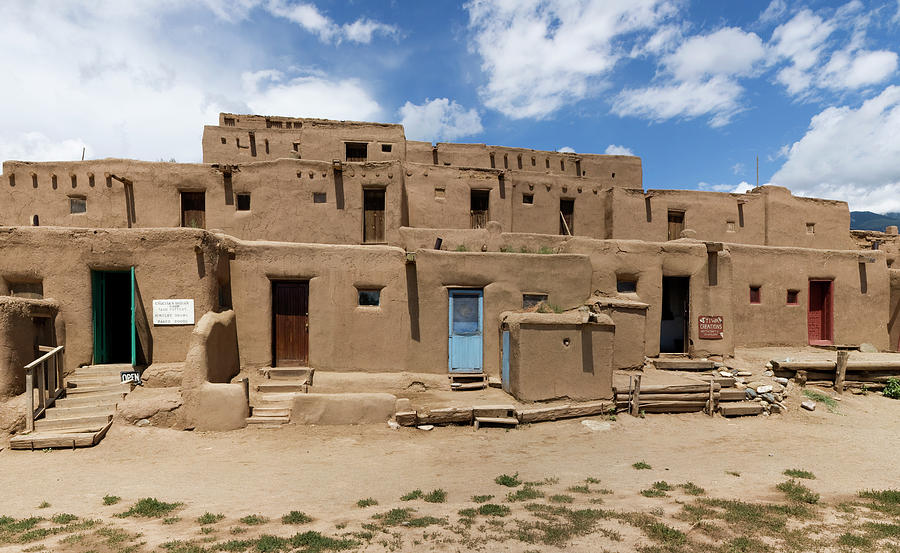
(173, 312)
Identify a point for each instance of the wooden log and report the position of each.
(732, 394)
(566, 411)
(668, 397)
(711, 402)
(699, 404)
(406, 418)
(822, 365)
(672, 389)
(683, 364)
(673, 409)
(447, 415)
(741, 408)
(723, 381)
(636, 397)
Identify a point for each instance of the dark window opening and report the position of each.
(532, 300)
(224, 141)
(356, 151)
(566, 216)
(237, 142)
(287, 124)
(74, 181)
(741, 215)
(613, 175)
(547, 161)
(319, 197)
(193, 209)
(647, 209)
(863, 279)
(373, 215)
(519, 160)
(533, 161)
(32, 290)
(676, 224)
(434, 155)
(505, 161)
(243, 202)
(91, 182)
(578, 167)
(386, 148)
(493, 161)
(296, 146)
(273, 124)
(793, 297)
(626, 286)
(479, 208)
(53, 181)
(252, 144)
(34, 180)
(755, 294)
(267, 145)
(369, 298)
(35, 221)
(228, 121)
(562, 165)
(528, 199)
(77, 205)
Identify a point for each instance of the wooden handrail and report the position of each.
(54, 353)
(44, 357)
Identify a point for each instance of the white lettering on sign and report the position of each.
(173, 312)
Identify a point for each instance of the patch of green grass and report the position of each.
(592, 480)
(111, 499)
(436, 496)
(798, 492)
(880, 530)
(663, 486)
(314, 542)
(604, 491)
(853, 540)
(149, 507)
(692, 489)
(508, 481)
(744, 544)
(253, 520)
(820, 397)
(884, 501)
(562, 498)
(394, 516)
(482, 498)
(271, 544)
(424, 522)
(652, 492)
(493, 510)
(468, 512)
(581, 488)
(210, 518)
(557, 525)
(657, 531)
(296, 517)
(545, 482)
(892, 388)
(415, 494)
(113, 536)
(171, 520)
(752, 518)
(641, 465)
(235, 546)
(43, 505)
(462, 248)
(63, 518)
(367, 502)
(733, 473)
(799, 473)
(544, 250)
(524, 493)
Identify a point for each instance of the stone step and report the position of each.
(255, 419)
(101, 370)
(90, 399)
(92, 382)
(99, 389)
(71, 440)
(281, 373)
(83, 411)
(74, 424)
(276, 397)
(459, 386)
(285, 386)
(505, 421)
(265, 411)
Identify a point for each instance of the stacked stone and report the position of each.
(768, 390)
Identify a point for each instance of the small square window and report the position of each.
(531, 300)
(755, 294)
(224, 141)
(356, 151)
(729, 227)
(243, 202)
(528, 198)
(228, 121)
(626, 286)
(793, 297)
(319, 197)
(77, 205)
(440, 193)
(369, 298)
(296, 146)
(386, 148)
(810, 228)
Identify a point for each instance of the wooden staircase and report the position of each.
(468, 381)
(274, 401)
(84, 415)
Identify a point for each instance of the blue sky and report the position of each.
(698, 89)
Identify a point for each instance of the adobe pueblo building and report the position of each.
(304, 244)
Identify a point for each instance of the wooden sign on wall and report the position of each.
(711, 327)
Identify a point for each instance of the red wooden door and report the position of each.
(290, 332)
(819, 315)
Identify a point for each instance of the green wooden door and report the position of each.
(115, 333)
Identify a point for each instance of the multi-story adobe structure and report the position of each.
(343, 246)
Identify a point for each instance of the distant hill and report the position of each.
(866, 220)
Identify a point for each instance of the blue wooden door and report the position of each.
(466, 331)
(504, 376)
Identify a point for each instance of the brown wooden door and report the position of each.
(373, 225)
(676, 224)
(819, 315)
(566, 216)
(193, 209)
(290, 332)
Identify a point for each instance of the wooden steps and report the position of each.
(675, 364)
(468, 381)
(740, 408)
(273, 405)
(296, 387)
(83, 417)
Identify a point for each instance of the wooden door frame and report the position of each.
(274, 282)
(829, 312)
(450, 292)
(366, 188)
(686, 325)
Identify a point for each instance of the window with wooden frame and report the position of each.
(356, 151)
(793, 297)
(373, 215)
(755, 294)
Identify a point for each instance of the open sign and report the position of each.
(131, 376)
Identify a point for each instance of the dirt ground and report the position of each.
(325, 471)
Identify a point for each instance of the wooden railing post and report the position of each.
(29, 400)
(41, 384)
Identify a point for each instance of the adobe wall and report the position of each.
(282, 192)
(342, 335)
(894, 311)
(170, 263)
(555, 358)
(18, 338)
(858, 316)
(259, 138)
(788, 217)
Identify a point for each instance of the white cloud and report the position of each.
(716, 97)
(774, 11)
(309, 17)
(848, 69)
(615, 150)
(439, 119)
(149, 96)
(566, 150)
(269, 92)
(728, 51)
(539, 55)
(739, 188)
(850, 154)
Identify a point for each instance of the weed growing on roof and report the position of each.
(482, 498)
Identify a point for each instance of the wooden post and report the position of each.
(41, 384)
(245, 382)
(636, 397)
(29, 400)
(712, 399)
(841, 370)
